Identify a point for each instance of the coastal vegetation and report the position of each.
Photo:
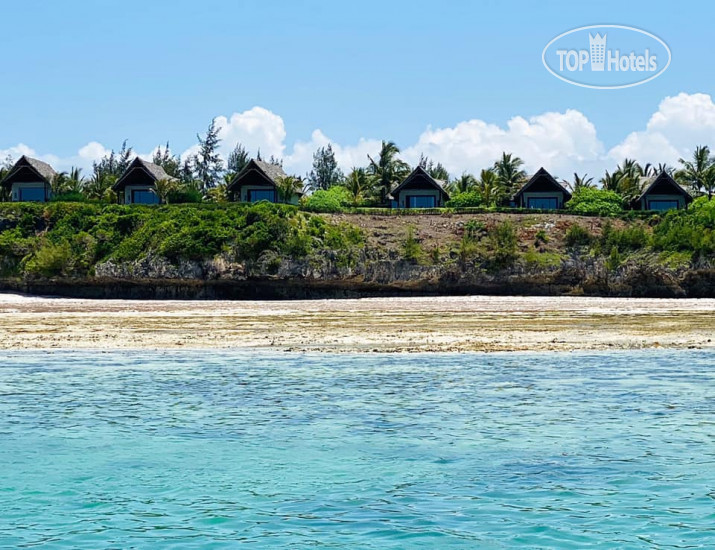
(447, 251)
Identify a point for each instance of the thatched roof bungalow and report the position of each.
(542, 191)
(137, 185)
(258, 181)
(419, 190)
(29, 180)
(662, 192)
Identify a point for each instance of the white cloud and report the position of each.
(301, 158)
(680, 124)
(561, 142)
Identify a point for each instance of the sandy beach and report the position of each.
(441, 324)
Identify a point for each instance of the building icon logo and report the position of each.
(606, 57)
(597, 45)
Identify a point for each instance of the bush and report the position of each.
(411, 249)
(75, 196)
(633, 237)
(464, 200)
(504, 244)
(334, 199)
(577, 235)
(50, 260)
(595, 201)
(184, 196)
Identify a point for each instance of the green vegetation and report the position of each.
(333, 199)
(577, 235)
(464, 199)
(411, 248)
(69, 239)
(588, 200)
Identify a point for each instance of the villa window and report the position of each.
(421, 201)
(256, 195)
(32, 194)
(144, 196)
(543, 203)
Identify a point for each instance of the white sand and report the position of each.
(479, 323)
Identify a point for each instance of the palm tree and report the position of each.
(163, 189)
(489, 187)
(630, 174)
(581, 182)
(59, 183)
(698, 174)
(610, 181)
(463, 183)
(357, 183)
(510, 173)
(287, 187)
(388, 171)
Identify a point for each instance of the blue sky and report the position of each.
(79, 72)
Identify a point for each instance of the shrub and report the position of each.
(577, 235)
(411, 249)
(633, 237)
(595, 201)
(464, 200)
(184, 195)
(504, 243)
(50, 260)
(71, 196)
(334, 199)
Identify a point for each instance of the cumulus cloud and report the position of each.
(680, 123)
(563, 143)
(560, 142)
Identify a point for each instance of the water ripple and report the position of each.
(187, 449)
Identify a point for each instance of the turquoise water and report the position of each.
(208, 450)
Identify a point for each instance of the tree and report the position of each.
(510, 175)
(609, 182)
(581, 182)
(110, 167)
(358, 185)
(490, 187)
(287, 187)
(163, 189)
(238, 159)
(170, 163)
(207, 162)
(463, 184)
(436, 171)
(388, 171)
(698, 174)
(325, 173)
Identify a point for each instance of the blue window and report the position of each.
(255, 195)
(144, 196)
(663, 205)
(421, 201)
(31, 194)
(544, 203)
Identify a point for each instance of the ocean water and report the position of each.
(211, 450)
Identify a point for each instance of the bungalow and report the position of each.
(419, 190)
(137, 185)
(29, 180)
(662, 193)
(541, 191)
(258, 181)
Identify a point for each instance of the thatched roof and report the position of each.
(272, 172)
(651, 184)
(155, 171)
(420, 172)
(43, 170)
(542, 173)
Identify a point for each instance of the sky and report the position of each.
(460, 81)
